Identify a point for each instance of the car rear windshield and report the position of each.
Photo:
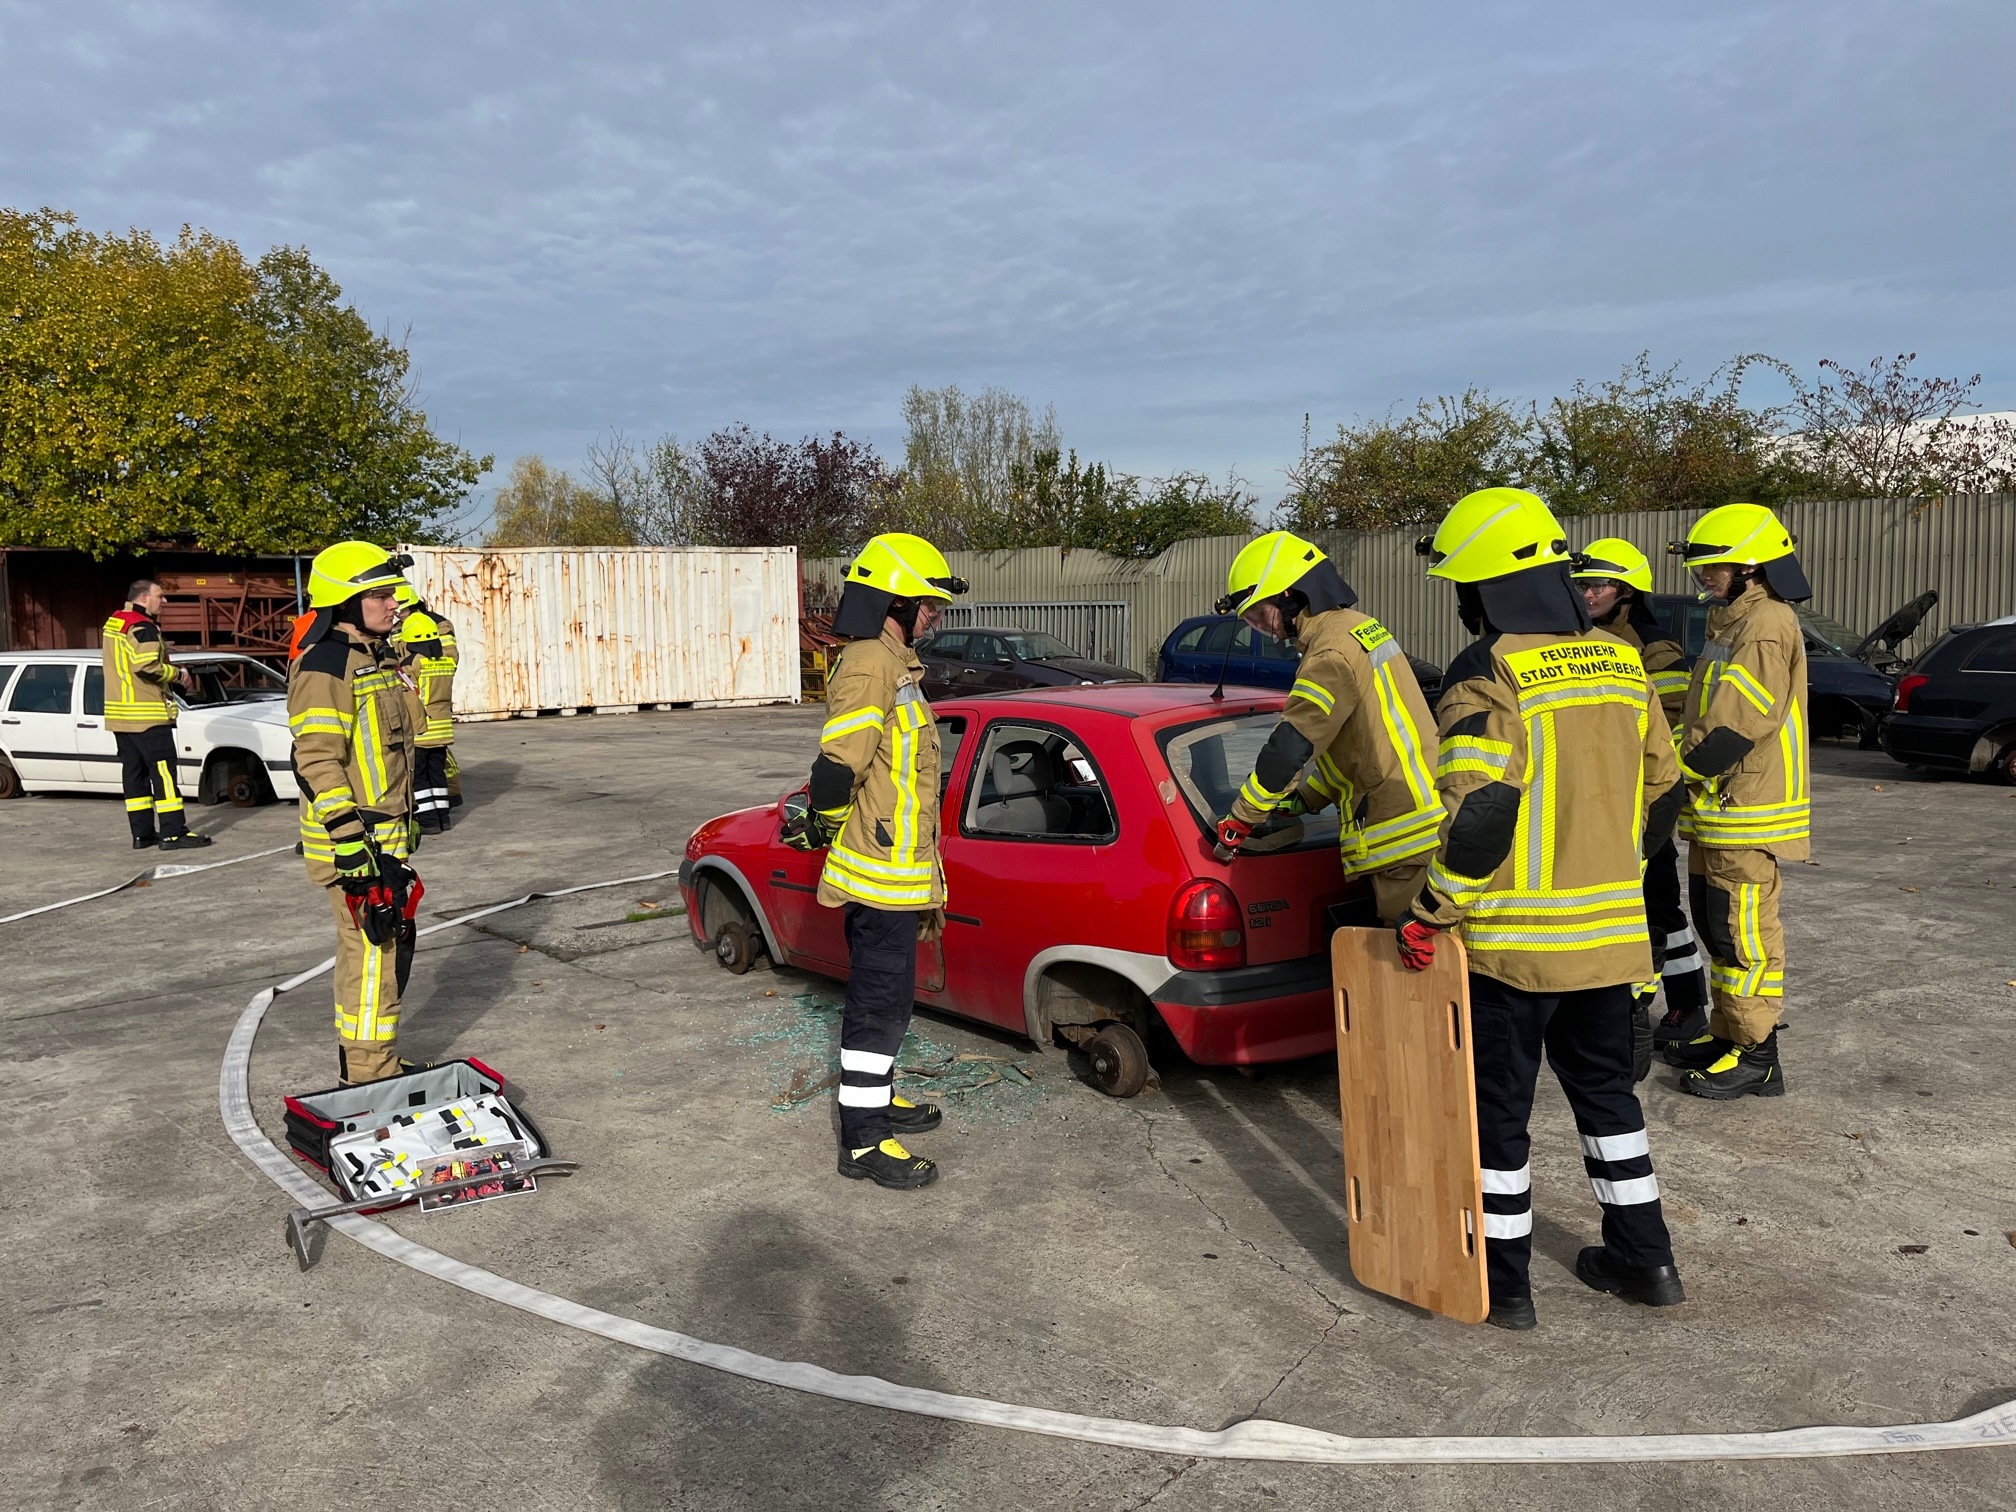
(1034, 645)
(1211, 759)
(1828, 629)
(231, 681)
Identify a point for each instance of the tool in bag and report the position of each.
(305, 1226)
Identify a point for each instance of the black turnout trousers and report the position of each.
(881, 990)
(147, 777)
(1676, 953)
(1587, 1039)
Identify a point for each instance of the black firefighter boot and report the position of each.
(1741, 1069)
(1698, 1053)
(906, 1117)
(888, 1164)
(1655, 1286)
(1679, 1025)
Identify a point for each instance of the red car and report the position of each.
(1084, 900)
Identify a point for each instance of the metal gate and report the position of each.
(1095, 630)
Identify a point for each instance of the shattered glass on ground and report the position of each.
(802, 1032)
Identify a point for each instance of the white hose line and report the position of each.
(1256, 1439)
(152, 874)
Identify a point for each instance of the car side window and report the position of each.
(1034, 782)
(1697, 629)
(42, 688)
(987, 650)
(951, 735)
(7, 671)
(94, 692)
(1997, 654)
(1218, 638)
(1192, 638)
(1277, 650)
(950, 646)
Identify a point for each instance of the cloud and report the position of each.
(1185, 224)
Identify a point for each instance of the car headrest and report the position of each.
(1022, 767)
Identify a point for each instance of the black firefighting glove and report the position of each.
(819, 830)
(356, 858)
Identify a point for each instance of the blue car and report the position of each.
(1199, 647)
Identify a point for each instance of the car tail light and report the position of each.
(1204, 927)
(1905, 688)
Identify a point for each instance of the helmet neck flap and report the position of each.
(1319, 590)
(1631, 609)
(1787, 579)
(863, 610)
(1539, 601)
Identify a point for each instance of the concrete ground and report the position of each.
(1174, 1259)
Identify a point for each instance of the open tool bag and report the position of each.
(376, 1139)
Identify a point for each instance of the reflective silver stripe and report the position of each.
(1621, 933)
(1509, 1183)
(865, 1097)
(1682, 965)
(1625, 1193)
(866, 1060)
(1614, 1146)
(1533, 812)
(1507, 1225)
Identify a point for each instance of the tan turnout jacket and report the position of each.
(430, 675)
(1665, 663)
(879, 726)
(138, 673)
(353, 737)
(1552, 749)
(1748, 696)
(1356, 707)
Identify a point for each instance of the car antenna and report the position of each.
(1224, 662)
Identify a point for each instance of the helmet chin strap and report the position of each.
(904, 612)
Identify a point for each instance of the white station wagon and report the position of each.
(231, 739)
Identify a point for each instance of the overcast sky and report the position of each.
(1185, 225)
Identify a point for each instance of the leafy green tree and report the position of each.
(1645, 440)
(1157, 513)
(1390, 473)
(540, 507)
(960, 457)
(151, 393)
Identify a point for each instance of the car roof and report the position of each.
(1156, 702)
(984, 630)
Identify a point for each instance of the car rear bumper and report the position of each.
(1923, 740)
(1251, 1015)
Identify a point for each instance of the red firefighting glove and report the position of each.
(1417, 944)
(1232, 834)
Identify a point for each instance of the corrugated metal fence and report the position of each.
(569, 630)
(1866, 557)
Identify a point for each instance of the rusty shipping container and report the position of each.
(554, 629)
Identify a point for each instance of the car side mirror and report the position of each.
(1004, 661)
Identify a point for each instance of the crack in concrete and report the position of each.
(1194, 1195)
(1168, 1481)
(1314, 1344)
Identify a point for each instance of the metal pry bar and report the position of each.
(305, 1231)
